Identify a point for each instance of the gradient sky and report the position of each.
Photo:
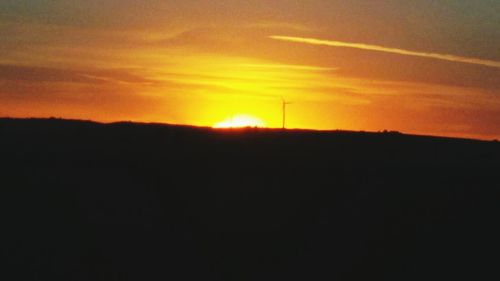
(425, 67)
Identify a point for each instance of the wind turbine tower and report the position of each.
(284, 104)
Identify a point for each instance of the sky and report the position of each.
(421, 67)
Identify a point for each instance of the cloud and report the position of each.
(48, 74)
(332, 43)
(290, 66)
(42, 74)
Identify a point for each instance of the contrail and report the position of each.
(332, 43)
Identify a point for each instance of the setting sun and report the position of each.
(240, 121)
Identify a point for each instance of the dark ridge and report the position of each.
(127, 201)
(245, 130)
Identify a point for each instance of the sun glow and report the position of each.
(240, 121)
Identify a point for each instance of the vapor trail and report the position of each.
(332, 43)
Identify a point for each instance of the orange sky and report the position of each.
(425, 68)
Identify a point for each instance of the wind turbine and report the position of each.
(284, 104)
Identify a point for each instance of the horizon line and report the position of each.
(234, 129)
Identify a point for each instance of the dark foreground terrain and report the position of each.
(88, 201)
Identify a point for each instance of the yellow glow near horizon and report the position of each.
(240, 121)
(221, 86)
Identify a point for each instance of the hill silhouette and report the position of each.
(124, 201)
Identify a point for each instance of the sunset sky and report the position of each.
(424, 67)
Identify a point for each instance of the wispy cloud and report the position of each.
(290, 66)
(332, 43)
(12, 72)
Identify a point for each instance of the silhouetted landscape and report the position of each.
(125, 201)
